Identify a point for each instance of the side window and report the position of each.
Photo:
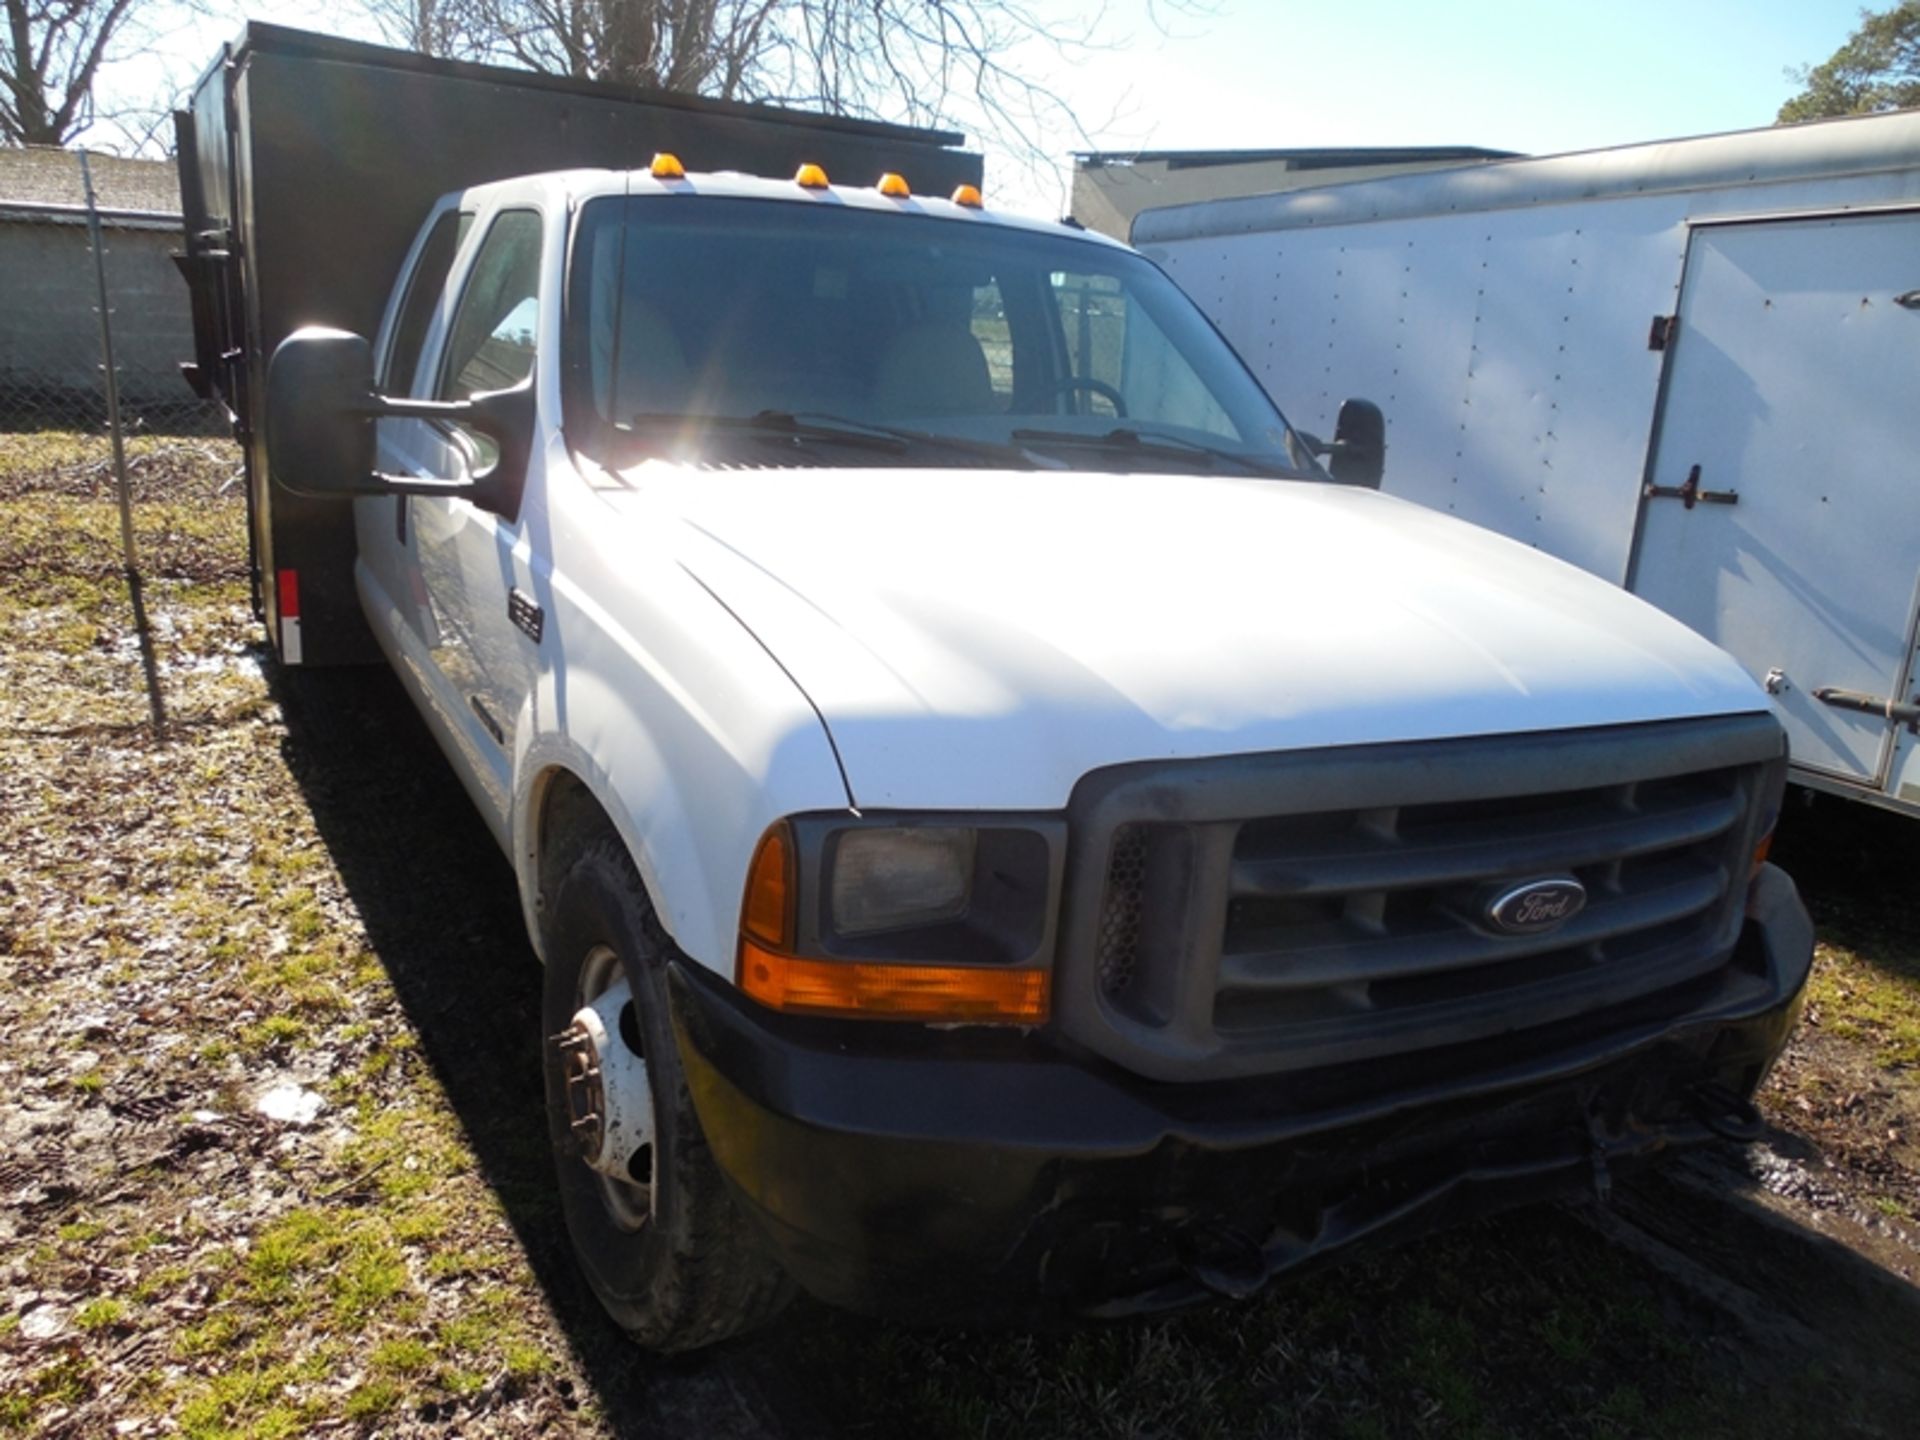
(996, 342)
(1093, 316)
(1114, 343)
(424, 287)
(491, 344)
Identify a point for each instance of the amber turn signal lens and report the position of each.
(667, 167)
(894, 185)
(767, 913)
(969, 196)
(892, 992)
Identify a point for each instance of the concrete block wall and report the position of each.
(50, 358)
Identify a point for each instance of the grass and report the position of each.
(1853, 867)
(102, 1314)
(402, 1258)
(1876, 1004)
(37, 454)
(1386, 1345)
(189, 881)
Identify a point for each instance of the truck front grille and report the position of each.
(1240, 922)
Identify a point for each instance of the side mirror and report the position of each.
(321, 409)
(1359, 445)
(319, 426)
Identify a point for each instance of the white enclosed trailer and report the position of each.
(1691, 368)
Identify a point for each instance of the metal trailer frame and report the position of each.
(1525, 326)
(307, 164)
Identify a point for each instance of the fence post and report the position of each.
(124, 485)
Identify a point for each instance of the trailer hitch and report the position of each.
(1895, 712)
(1690, 494)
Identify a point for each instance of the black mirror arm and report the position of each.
(1329, 447)
(1321, 448)
(388, 407)
(503, 416)
(384, 407)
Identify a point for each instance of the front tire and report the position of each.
(662, 1243)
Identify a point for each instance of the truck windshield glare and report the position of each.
(1046, 351)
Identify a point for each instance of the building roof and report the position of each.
(1339, 158)
(36, 176)
(1849, 145)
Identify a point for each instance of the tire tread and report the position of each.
(718, 1281)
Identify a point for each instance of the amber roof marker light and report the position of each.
(810, 177)
(667, 166)
(969, 196)
(894, 186)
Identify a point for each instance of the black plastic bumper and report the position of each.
(966, 1175)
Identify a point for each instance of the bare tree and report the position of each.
(921, 61)
(705, 46)
(50, 58)
(448, 28)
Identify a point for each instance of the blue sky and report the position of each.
(1533, 75)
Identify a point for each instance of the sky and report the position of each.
(1538, 76)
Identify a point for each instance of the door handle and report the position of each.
(1896, 712)
(1690, 494)
(526, 616)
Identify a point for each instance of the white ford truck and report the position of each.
(1007, 833)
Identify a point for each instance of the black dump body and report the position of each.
(306, 166)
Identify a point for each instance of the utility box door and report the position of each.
(1795, 384)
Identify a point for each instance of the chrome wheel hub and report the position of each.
(609, 1097)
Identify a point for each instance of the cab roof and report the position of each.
(575, 187)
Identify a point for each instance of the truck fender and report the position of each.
(645, 809)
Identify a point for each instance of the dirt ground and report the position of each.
(272, 1160)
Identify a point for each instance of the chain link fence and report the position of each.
(94, 328)
(52, 373)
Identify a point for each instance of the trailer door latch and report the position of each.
(1660, 334)
(1896, 712)
(1690, 494)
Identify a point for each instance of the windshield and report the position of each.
(758, 329)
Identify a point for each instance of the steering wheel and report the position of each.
(1097, 387)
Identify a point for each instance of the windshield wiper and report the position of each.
(1127, 441)
(776, 425)
(807, 425)
(984, 449)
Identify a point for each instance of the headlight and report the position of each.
(892, 917)
(892, 878)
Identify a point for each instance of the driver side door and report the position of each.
(468, 562)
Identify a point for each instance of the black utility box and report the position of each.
(307, 164)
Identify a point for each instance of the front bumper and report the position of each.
(972, 1175)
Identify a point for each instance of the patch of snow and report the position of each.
(290, 1103)
(44, 1322)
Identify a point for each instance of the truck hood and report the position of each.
(982, 640)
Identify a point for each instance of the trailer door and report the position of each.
(1782, 513)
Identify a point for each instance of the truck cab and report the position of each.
(1008, 834)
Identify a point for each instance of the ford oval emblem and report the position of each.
(1536, 906)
